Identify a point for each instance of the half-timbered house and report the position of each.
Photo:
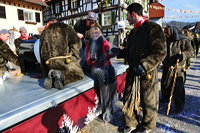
(111, 14)
(17, 13)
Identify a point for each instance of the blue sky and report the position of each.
(189, 5)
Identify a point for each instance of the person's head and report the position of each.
(52, 20)
(173, 33)
(4, 35)
(168, 32)
(95, 33)
(23, 31)
(134, 13)
(91, 19)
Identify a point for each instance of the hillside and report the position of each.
(178, 24)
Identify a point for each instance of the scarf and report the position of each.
(140, 22)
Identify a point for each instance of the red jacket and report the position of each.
(24, 38)
(105, 51)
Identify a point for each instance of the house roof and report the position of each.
(156, 10)
(37, 2)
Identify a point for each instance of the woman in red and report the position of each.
(98, 58)
(23, 32)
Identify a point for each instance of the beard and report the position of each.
(132, 20)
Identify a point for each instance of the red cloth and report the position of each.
(47, 25)
(76, 109)
(140, 22)
(24, 38)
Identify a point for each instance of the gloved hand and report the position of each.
(114, 51)
(179, 56)
(139, 70)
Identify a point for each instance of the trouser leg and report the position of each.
(179, 94)
(110, 92)
(105, 78)
(197, 49)
(165, 92)
(99, 77)
(130, 120)
(150, 100)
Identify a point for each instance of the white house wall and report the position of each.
(12, 19)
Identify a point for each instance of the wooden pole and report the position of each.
(173, 85)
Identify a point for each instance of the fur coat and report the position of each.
(57, 40)
(146, 46)
(6, 55)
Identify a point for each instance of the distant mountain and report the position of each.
(178, 24)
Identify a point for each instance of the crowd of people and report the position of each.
(147, 46)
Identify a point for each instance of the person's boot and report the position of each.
(58, 84)
(57, 79)
(48, 82)
(129, 129)
(142, 129)
(98, 109)
(107, 115)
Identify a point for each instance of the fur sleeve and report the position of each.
(158, 44)
(187, 49)
(7, 53)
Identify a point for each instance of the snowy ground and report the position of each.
(186, 122)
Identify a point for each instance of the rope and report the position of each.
(67, 57)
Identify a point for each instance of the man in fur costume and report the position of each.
(178, 48)
(6, 53)
(60, 55)
(98, 56)
(146, 48)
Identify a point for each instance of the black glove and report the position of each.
(139, 70)
(179, 56)
(114, 51)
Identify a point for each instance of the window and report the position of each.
(28, 16)
(74, 4)
(20, 14)
(106, 19)
(37, 16)
(2, 12)
(57, 8)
